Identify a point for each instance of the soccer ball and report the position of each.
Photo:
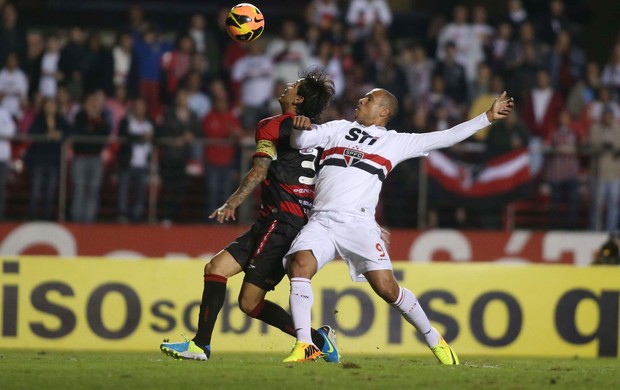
(245, 22)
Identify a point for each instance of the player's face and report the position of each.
(369, 108)
(289, 96)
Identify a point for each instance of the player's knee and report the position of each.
(387, 290)
(248, 305)
(303, 265)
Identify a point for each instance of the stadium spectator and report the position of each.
(220, 124)
(326, 60)
(453, 74)
(98, 66)
(197, 100)
(178, 132)
(523, 56)
(605, 169)
(13, 87)
(362, 15)
(92, 125)
(342, 220)
(205, 44)
(67, 107)
(418, 69)
(125, 64)
(517, 15)
(593, 112)
(175, 65)
(542, 107)
(32, 64)
(437, 96)
(552, 22)
(117, 105)
(460, 36)
(611, 71)
(584, 91)
(290, 53)
(48, 67)
(483, 32)
(562, 173)
(567, 62)
(12, 34)
(137, 24)
(149, 49)
(133, 162)
(323, 13)
(43, 158)
(7, 130)
(499, 47)
(71, 63)
(255, 74)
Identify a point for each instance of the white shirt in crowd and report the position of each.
(139, 151)
(368, 12)
(122, 64)
(14, 87)
(255, 73)
(356, 159)
(48, 84)
(290, 59)
(540, 102)
(7, 130)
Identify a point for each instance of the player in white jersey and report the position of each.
(357, 158)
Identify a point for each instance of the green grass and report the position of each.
(145, 371)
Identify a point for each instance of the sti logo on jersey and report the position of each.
(352, 157)
(360, 136)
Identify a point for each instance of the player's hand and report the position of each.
(302, 123)
(501, 107)
(224, 213)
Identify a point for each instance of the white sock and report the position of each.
(411, 310)
(301, 301)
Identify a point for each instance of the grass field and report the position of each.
(145, 371)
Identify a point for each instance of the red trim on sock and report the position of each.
(215, 278)
(257, 310)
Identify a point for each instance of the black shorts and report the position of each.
(260, 251)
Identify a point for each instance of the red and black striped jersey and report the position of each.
(288, 191)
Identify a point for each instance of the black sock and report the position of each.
(213, 296)
(276, 316)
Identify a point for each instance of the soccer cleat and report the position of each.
(330, 350)
(303, 352)
(444, 353)
(185, 350)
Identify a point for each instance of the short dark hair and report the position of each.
(317, 90)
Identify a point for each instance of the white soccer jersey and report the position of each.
(357, 159)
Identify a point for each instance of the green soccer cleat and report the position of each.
(303, 352)
(187, 350)
(444, 353)
(330, 350)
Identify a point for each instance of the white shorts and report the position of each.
(357, 240)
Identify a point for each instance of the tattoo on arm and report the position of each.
(254, 177)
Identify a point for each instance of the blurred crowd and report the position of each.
(140, 100)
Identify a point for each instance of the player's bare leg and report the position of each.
(216, 274)
(386, 286)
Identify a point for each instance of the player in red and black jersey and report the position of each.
(287, 178)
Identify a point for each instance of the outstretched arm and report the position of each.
(421, 144)
(252, 179)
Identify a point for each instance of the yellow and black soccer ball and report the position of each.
(245, 22)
